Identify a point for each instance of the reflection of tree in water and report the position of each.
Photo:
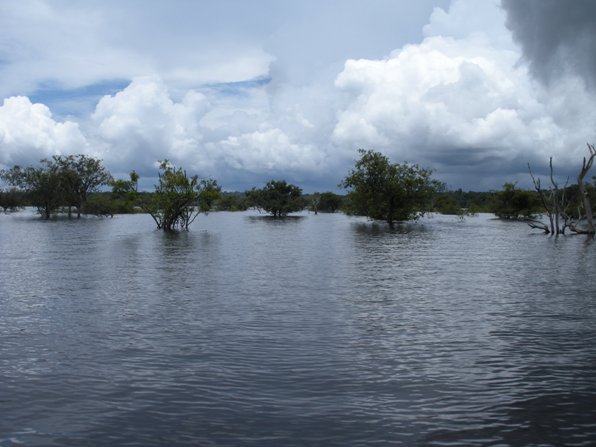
(184, 261)
(381, 229)
(274, 221)
(555, 419)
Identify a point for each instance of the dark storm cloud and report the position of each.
(556, 36)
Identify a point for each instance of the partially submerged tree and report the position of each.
(277, 198)
(556, 203)
(389, 191)
(11, 199)
(329, 202)
(43, 186)
(81, 176)
(585, 198)
(179, 199)
(326, 202)
(513, 203)
(314, 200)
(232, 201)
(62, 181)
(124, 195)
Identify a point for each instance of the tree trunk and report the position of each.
(586, 166)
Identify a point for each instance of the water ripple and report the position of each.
(319, 331)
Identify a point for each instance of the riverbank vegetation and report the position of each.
(76, 185)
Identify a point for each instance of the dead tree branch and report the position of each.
(586, 166)
(554, 202)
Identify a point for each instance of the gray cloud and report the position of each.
(556, 36)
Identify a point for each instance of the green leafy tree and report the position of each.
(80, 176)
(43, 186)
(179, 199)
(277, 198)
(101, 204)
(388, 191)
(232, 201)
(330, 202)
(124, 195)
(59, 181)
(513, 203)
(11, 199)
(313, 201)
(446, 203)
(326, 202)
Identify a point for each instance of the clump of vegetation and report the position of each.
(62, 181)
(232, 201)
(326, 202)
(277, 198)
(179, 199)
(463, 203)
(513, 203)
(11, 200)
(389, 191)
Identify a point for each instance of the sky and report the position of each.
(249, 91)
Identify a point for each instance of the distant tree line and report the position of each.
(376, 188)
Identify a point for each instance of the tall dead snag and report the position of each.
(554, 202)
(586, 166)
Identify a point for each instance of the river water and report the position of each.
(317, 330)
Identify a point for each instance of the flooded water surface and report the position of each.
(316, 330)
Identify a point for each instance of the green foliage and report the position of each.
(62, 181)
(81, 175)
(473, 201)
(326, 202)
(11, 199)
(388, 191)
(312, 202)
(232, 201)
(513, 203)
(277, 198)
(124, 195)
(447, 204)
(101, 204)
(44, 186)
(179, 199)
(330, 202)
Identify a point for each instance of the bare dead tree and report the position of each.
(553, 201)
(586, 166)
(538, 225)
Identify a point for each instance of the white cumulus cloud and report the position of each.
(269, 151)
(142, 124)
(245, 101)
(29, 132)
(462, 102)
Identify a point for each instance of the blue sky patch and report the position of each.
(76, 102)
(238, 88)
